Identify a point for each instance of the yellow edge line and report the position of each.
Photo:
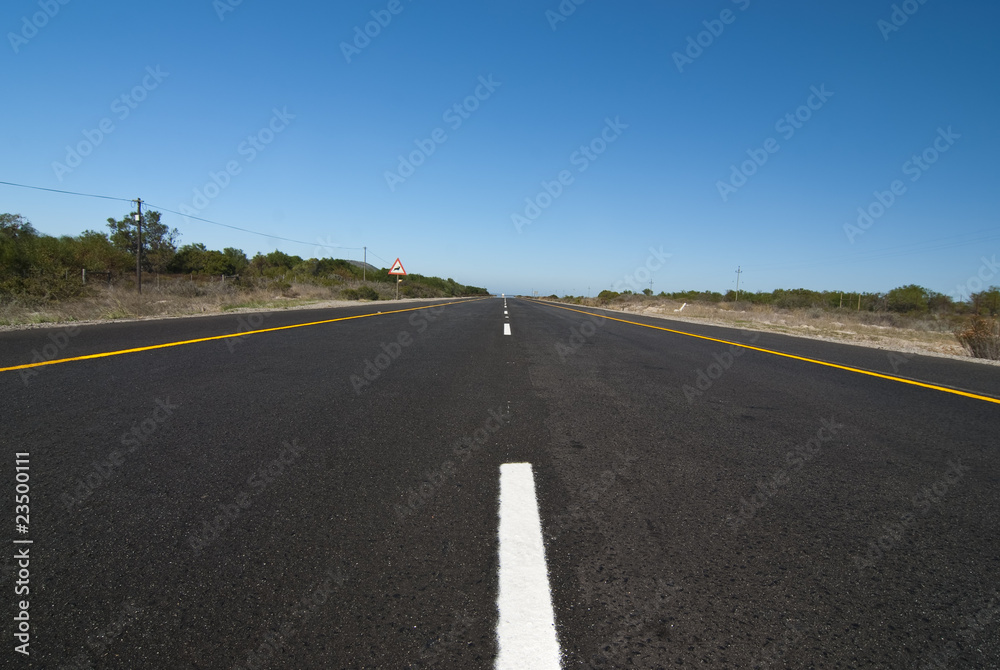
(223, 337)
(902, 380)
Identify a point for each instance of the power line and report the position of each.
(189, 216)
(55, 190)
(252, 232)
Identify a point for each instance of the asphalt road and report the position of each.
(326, 496)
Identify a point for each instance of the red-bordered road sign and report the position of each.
(397, 268)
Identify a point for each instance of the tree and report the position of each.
(986, 302)
(159, 243)
(237, 260)
(278, 259)
(18, 245)
(939, 303)
(96, 252)
(14, 226)
(189, 258)
(909, 298)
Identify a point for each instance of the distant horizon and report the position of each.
(656, 293)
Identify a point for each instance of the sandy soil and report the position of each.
(825, 327)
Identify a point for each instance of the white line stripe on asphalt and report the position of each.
(506, 329)
(526, 629)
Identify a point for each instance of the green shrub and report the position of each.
(367, 293)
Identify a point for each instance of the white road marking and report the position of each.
(506, 329)
(526, 629)
(505, 312)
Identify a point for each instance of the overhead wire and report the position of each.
(191, 216)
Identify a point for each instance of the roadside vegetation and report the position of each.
(910, 315)
(92, 276)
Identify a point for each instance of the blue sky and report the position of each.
(330, 123)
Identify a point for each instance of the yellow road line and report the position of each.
(222, 337)
(860, 371)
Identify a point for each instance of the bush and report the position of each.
(367, 293)
(981, 337)
(908, 299)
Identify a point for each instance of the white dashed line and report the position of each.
(526, 629)
(506, 329)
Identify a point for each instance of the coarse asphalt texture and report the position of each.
(326, 496)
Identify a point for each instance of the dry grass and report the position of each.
(178, 298)
(981, 338)
(927, 335)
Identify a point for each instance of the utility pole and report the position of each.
(739, 271)
(138, 244)
(650, 287)
(364, 266)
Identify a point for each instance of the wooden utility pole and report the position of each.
(138, 244)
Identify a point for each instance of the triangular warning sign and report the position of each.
(397, 268)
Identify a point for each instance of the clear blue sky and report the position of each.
(322, 178)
